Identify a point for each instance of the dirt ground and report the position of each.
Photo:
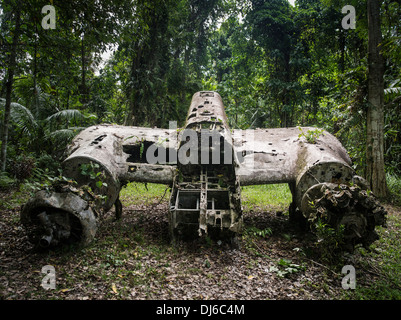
(133, 259)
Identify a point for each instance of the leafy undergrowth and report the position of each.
(133, 258)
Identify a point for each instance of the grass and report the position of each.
(124, 257)
(266, 197)
(143, 193)
(383, 263)
(378, 269)
(394, 187)
(16, 198)
(253, 197)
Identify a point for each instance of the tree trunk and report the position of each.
(375, 174)
(9, 86)
(83, 89)
(35, 91)
(132, 91)
(342, 50)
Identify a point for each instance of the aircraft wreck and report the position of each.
(205, 164)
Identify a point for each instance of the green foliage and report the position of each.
(384, 261)
(265, 233)
(284, 268)
(42, 179)
(275, 195)
(50, 135)
(329, 241)
(274, 65)
(394, 186)
(310, 135)
(91, 170)
(141, 193)
(6, 182)
(22, 166)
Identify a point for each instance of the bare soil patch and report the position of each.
(133, 259)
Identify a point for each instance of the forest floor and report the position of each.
(133, 259)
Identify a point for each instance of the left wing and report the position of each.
(122, 153)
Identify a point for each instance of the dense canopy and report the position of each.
(138, 62)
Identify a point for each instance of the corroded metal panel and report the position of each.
(205, 163)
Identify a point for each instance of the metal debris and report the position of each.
(205, 164)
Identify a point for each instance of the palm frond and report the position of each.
(392, 90)
(62, 136)
(69, 114)
(22, 117)
(65, 116)
(77, 129)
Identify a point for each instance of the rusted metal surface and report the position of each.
(59, 217)
(121, 154)
(348, 206)
(205, 197)
(206, 163)
(280, 155)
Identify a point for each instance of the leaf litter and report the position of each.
(133, 259)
